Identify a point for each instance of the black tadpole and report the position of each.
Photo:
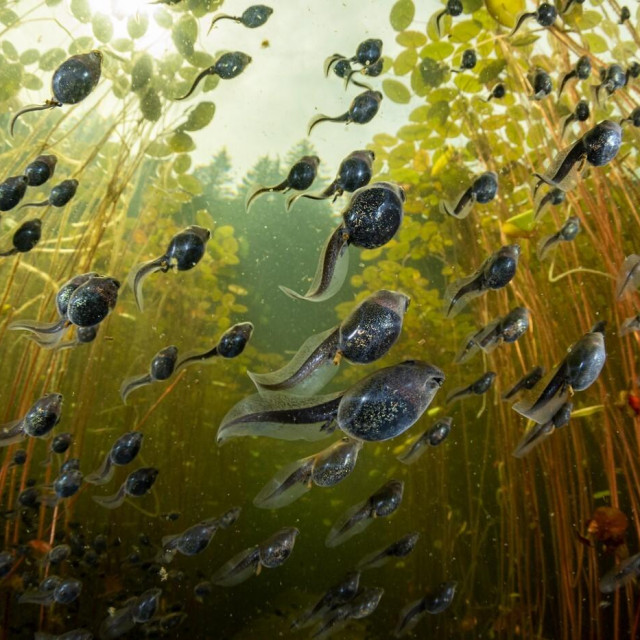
(625, 14)
(60, 195)
(468, 61)
(40, 170)
(362, 110)
(372, 71)
(453, 9)
(580, 113)
(498, 92)
(367, 54)
(72, 82)
(162, 368)
(582, 71)
(12, 190)
(25, 238)
(184, 252)
(300, 177)
(252, 18)
(230, 345)
(227, 66)
(633, 118)
(545, 15)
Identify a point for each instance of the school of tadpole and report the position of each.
(479, 410)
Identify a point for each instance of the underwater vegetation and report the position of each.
(467, 350)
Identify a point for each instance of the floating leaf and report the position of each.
(151, 106)
(9, 50)
(180, 142)
(411, 39)
(588, 20)
(182, 163)
(190, 183)
(405, 62)
(465, 31)
(201, 59)
(396, 91)
(431, 72)
(30, 56)
(199, 117)
(437, 50)
(81, 10)
(81, 45)
(102, 27)
(52, 59)
(141, 72)
(184, 34)
(402, 14)
(505, 11)
(32, 82)
(122, 44)
(158, 149)
(524, 40)
(121, 86)
(491, 70)
(11, 79)
(137, 25)
(8, 17)
(471, 6)
(163, 18)
(439, 111)
(384, 140)
(596, 43)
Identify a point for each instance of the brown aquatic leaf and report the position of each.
(608, 524)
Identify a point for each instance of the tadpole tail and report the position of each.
(348, 80)
(565, 79)
(258, 191)
(543, 203)
(44, 203)
(625, 120)
(203, 74)
(330, 191)
(438, 18)
(521, 20)
(567, 121)
(192, 357)
(34, 107)
(224, 16)
(456, 395)
(130, 384)
(330, 61)
(6, 254)
(114, 501)
(44, 598)
(567, 6)
(139, 274)
(47, 334)
(11, 432)
(322, 118)
(103, 474)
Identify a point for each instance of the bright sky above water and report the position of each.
(267, 109)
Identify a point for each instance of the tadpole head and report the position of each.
(582, 111)
(583, 67)
(469, 59)
(546, 14)
(602, 143)
(454, 8)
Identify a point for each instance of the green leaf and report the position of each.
(199, 117)
(141, 72)
(151, 106)
(120, 86)
(405, 62)
(158, 149)
(432, 73)
(505, 11)
(437, 50)
(30, 56)
(8, 17)
(588, 20)
(467, 83)
(396, 91)
(414, 132)
(190, 184)
(123, 45)
(9, 50)
(465, 31)
(81, 10)
(384, 140)
(184, 35)
(411, 39)
(81, 45)
(402, 14)
(523, 221)
(524, 40)
(52, 3)
(182, 163)
(420, 114)
(596, 43)
(401, 155)
(137, 25)
(32, 82)
(102, 27)
(181, 142)
(201, 59)
(471, 6)
(163, 18)
(439, 111)
(490, 70)
(52, 59)
(11, 79)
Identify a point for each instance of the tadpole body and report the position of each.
(252, 17)
(60, 195)
(362, 110)
(581, 71)
(482, 190)
(567, 233)
(545, 15)
(162, 367)
(227, 66)
(72, 82)
(453, 8)
(25, 238)
(40, 170)
(12, 190)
